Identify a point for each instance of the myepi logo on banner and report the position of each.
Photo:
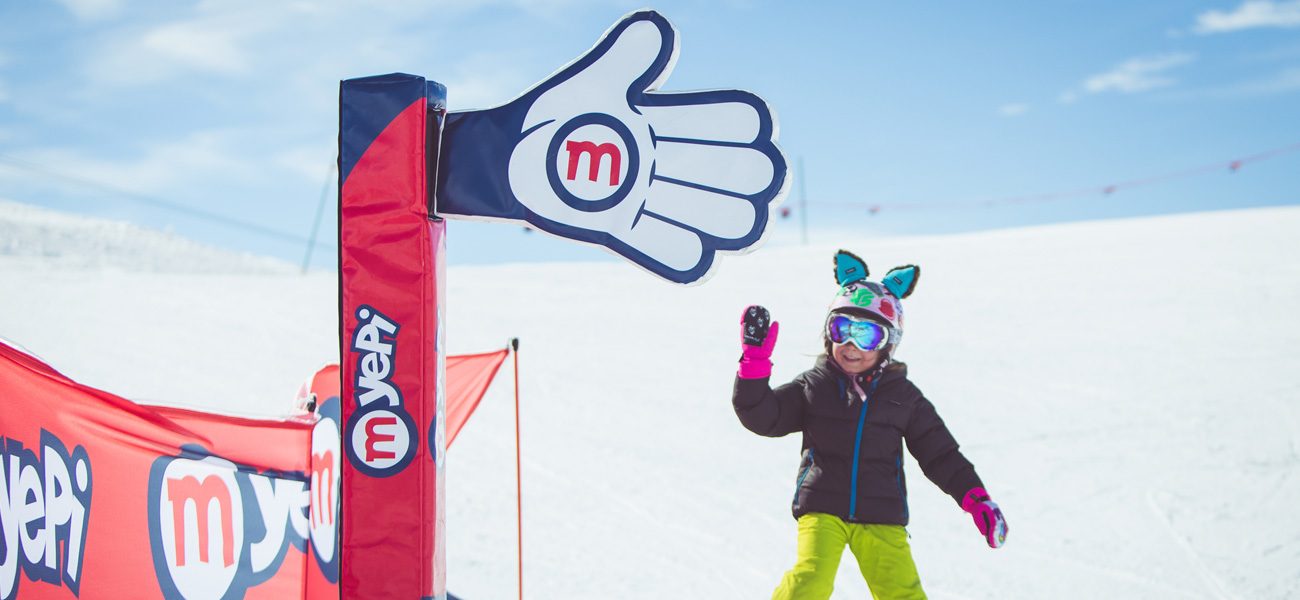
(44, 513)
(217, 529)
(380, 434)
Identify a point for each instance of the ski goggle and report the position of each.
(864, 333)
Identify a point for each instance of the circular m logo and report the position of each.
(196, 522)
(592, 162)
(380, 441)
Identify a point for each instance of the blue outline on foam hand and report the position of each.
(473, 178)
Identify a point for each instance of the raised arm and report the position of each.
(761, 409)
(766, 411)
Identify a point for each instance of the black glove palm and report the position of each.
(755, 325)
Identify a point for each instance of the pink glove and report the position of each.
(758, 337)
(987, 515)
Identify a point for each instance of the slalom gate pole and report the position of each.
(392, 298)
(519, 485)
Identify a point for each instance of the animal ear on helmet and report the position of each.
(849, 268)
(902, 280)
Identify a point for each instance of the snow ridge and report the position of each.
(38, 238)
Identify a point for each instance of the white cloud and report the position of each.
(1068, 97)
(91, 10)
(247, 59)
(1137, 75)
(200, 156)
(202, 46)
(1251, 14)
(1013, 109)
(212, 45)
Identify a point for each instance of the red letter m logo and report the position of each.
(189, 489)
(594, 155)
(322, 488)
(374, 438)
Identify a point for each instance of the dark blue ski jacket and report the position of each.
(852, 464)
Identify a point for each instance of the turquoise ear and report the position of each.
(849, 268)
(902, 280)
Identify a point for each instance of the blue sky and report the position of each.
(926, 110)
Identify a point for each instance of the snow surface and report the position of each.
(1127, 390)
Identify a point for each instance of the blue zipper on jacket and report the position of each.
(803, 475)
(857, 447)
(898, 476)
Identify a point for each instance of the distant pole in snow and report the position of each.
(519, 484)
(803, 203)
(320, 210)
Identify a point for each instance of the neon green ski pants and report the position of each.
(883, 554)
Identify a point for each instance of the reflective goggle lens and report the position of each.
(865, 334)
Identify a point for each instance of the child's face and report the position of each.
(853, 360)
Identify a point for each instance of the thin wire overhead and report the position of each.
(156, 202)
(1231, 166)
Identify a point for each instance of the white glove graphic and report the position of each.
(665, 179)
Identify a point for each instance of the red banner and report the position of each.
(104, 498)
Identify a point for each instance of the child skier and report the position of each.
(855, 408)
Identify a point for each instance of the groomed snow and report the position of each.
(1126, 389)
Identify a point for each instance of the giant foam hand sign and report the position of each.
(596, 154)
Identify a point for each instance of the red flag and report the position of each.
(468, 378)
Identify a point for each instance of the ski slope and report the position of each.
(1126, 389)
